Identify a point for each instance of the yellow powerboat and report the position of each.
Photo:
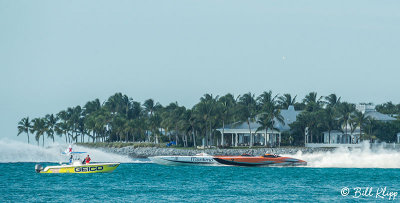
(78, 167)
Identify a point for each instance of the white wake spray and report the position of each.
(364, 157)
(15, 151)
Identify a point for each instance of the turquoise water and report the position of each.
(148, 182)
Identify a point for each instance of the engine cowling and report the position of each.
(38, 168)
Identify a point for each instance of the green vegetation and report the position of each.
(121, 121)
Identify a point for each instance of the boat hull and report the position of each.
(84, 168)
(183, 160)
(258, 161)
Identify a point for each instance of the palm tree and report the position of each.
(39, 128)
(265, 123)
(204, 111)
(194, 125)
(266, 98)
(126, 105)
(360, 119)
(50, 123)
(166, 122)
(101, 122)
(63, 126)
(153, 123)
(226, 105)
(92, 106)
(387, 108)
(329, 120)
(24, 126)
(345, 110)
(81, 128)
(114, 103)
(90, 124)
(129, 129)
(270, 114)
(185, 126)
(308, 120)
(286, 100)
(75, 116)
(150, 107)
(332, 100)
(267, 104)
(90, 111)
(247, 111)
(177, 115)
(300, 125)
(313, 103)
(170, 117)
(310, 98)
(118, 124)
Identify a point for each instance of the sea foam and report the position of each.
(364, 157)
(15, 151)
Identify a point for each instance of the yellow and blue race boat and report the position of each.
(76, 166)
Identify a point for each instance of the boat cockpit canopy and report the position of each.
(271, 155)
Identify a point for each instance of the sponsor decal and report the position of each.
(201, 159)
(55, 170)
(87, 169)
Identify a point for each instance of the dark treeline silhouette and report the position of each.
(121, 119)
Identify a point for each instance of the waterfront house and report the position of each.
(238, 133)
(351, 138)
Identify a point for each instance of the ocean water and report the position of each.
(146, 182)
(342, 175)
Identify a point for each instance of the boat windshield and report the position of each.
(246, 154)
(202, 154)
(271, 155)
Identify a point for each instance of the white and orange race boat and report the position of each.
(198, 159)
(265, 160)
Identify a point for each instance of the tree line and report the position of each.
(121, 119)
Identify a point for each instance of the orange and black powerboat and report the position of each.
(265, 160)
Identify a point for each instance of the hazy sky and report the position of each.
(57, 54)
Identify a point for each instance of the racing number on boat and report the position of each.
(86, 169)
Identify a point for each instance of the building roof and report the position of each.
(379, 116)
(289, 116)
(369, 110)
(240, 127)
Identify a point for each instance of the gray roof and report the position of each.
(289, 116)
(379, 116)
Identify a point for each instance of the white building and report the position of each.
(351, 139)
(238, 134)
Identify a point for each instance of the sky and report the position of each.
(59, 54)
